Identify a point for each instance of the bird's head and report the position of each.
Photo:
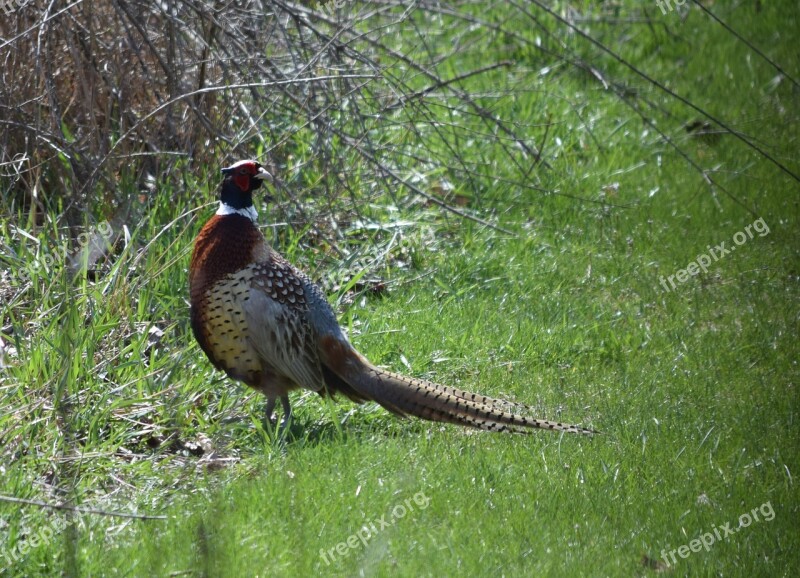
(239, 181)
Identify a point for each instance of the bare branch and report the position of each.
(78, 509)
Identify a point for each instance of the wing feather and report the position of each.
(279, 331)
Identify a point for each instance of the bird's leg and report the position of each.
(271, 408)
(287, 414)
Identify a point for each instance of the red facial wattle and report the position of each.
(242, 181)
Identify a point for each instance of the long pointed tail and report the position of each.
(410, 396)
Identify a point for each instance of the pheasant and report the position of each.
(265, 323)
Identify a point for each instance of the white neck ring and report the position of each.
(249, 212)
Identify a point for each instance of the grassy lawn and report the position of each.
(692, 381)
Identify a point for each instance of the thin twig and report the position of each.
(77, 509)
(746, 42)
(742, 137)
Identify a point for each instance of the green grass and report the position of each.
(694, 389)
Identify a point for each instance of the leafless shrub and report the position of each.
(98, 96)
(97, 93)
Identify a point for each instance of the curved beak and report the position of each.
(263, 175)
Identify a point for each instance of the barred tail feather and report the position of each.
(404, 396)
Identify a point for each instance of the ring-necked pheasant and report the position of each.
(267, 324)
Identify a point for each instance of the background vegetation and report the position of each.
(490, 193)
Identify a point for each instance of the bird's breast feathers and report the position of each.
(249, 306)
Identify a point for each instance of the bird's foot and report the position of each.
(271, 424)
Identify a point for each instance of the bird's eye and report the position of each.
(243, 171)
